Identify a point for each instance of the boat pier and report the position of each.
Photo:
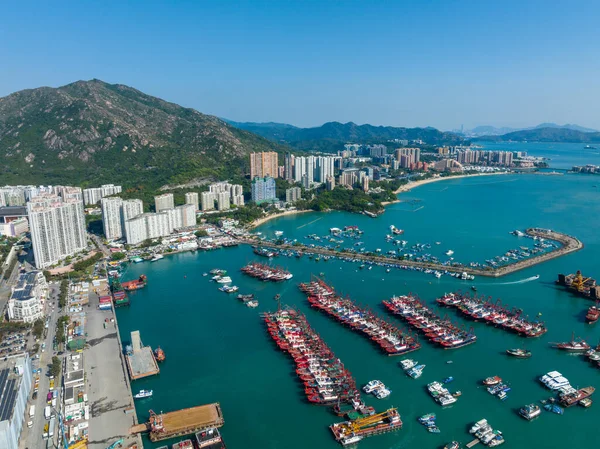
(473, 443)
(568, 244)
(141, 361)
(181, 422)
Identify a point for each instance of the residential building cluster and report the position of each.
(482, 157)
(94, 195)
(592, 169)
(224, 195)
(126, 218)
(293, 194)
(308, 170)
(26, 302)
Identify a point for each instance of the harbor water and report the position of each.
(217, 350)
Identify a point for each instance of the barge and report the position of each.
(351, 432)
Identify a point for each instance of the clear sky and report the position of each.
(401, 63)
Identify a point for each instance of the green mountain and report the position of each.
(91, 132)
(546, 135)
(333, 135)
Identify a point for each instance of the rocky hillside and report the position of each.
(91, 132)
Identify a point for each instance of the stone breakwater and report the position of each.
(568, 244)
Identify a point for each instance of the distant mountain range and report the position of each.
(92, 132)
(333, 135)
(545, 135)
(488, 130)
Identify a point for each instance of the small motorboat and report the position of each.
(494, 380)
(448, 379)
(452, 445)
(519, 353)
(143, 394)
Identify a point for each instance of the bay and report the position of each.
(218, 350)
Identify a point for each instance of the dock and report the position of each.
(181, 422)
(141, 361)
(473, 443)
(568, 244)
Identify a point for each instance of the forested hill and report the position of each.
(92, 132)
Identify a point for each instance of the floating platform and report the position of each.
(181, 422)
(141, 361)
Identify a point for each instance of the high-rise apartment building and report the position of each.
(293, 194)
(94, 195)
(264, 164)
(165, 201)
(288, 167)
(263, 190)
(57, 230)
(111, 217)
(208, 201)
(192, 198)
(223, 200)
(188, 215)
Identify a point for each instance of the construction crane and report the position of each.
(362, 423)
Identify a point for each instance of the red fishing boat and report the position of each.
(575, 345)
(159, 354)
(593, 314)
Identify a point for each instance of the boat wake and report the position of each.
(311, 222)
(522, 281)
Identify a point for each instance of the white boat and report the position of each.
(157, 257)
(382, 393)
(478, 425)
(416, 372)
(350, 440)
(224, 280)
(372, 386)
(449, 252)
(228, 289)
(407, 364)
(143, 394)
(252, 304)
(278, 233)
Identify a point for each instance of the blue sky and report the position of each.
(403, 63)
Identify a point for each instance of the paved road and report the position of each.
(32, 438)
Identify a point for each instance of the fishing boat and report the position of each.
(209, 439)
(143, 394)
(224, 280)
(530, 411)
(585, 402)
(593, 314)
(252, 304)
(572, 396)
(159, 354)
(575, 345)
(452, 445)
(519, 353)
(229, 289)
(494, 380)
(185, 444)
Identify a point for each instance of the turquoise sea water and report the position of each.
(218, 350)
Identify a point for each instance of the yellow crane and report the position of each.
(368, 421)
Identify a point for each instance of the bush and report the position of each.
(55, 366)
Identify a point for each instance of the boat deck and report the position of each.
(189, 420)
(142, 363)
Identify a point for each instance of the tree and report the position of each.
(38, 328)
(118, 256)
(55, 367)
(201, 233)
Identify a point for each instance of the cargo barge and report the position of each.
(140, 359)
(351, 432)
(326, 380)
(181, 422)
(580, 285)
(136, 284)
(389, 338)
(572, 396)
(439, 331)
(480, 309)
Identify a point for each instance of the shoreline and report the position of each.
(405, 188)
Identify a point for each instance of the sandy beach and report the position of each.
(405, 188)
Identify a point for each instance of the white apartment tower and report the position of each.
(111, 217)
(163, 202)
(208, 200)
(192, 198)
(57, 230)
(223, 200)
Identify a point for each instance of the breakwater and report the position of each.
(568, 244)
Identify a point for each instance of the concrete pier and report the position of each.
(568, 244)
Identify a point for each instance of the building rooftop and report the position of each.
(10, 379)
(13, 211)
(23, 290)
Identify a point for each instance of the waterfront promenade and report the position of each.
(568, 244)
